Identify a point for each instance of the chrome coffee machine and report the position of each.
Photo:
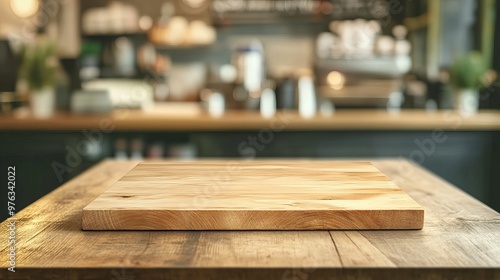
(358, 66)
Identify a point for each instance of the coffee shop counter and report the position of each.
(194, 119)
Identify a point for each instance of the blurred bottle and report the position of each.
(124, 56)
(137, 147)
(216, 104)
(156, 151)
(268, 100)
(286, 94)
(307, 96)
(250, 66)
(121, 149)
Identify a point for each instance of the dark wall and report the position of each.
(33, 155)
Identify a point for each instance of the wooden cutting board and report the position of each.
(253, 195)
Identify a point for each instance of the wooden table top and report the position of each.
(168, 119)
(256, 195)
(460, 240)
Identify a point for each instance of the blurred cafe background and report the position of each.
(83, 81)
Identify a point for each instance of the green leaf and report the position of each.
(39, 65)
(468, 71)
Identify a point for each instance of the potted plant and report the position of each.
(467, 77)
(39, 70)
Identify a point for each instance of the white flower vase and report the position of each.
(43, 103)
(467, 101)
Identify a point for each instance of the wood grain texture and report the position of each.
(460, 240)
(136, 120)
(256, 195)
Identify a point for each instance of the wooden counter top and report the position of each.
(196, 120)
(460, 240)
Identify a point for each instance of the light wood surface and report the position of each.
(256, 195)
(196, 120)
(460, 240)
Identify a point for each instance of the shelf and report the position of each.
(173, 119)
(113, 35)
(263, 20)
(181, 47)
(145, 34)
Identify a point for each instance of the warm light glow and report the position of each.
(336, 80)
(195, 3)
(24, 8)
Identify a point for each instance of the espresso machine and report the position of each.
(359, 66)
